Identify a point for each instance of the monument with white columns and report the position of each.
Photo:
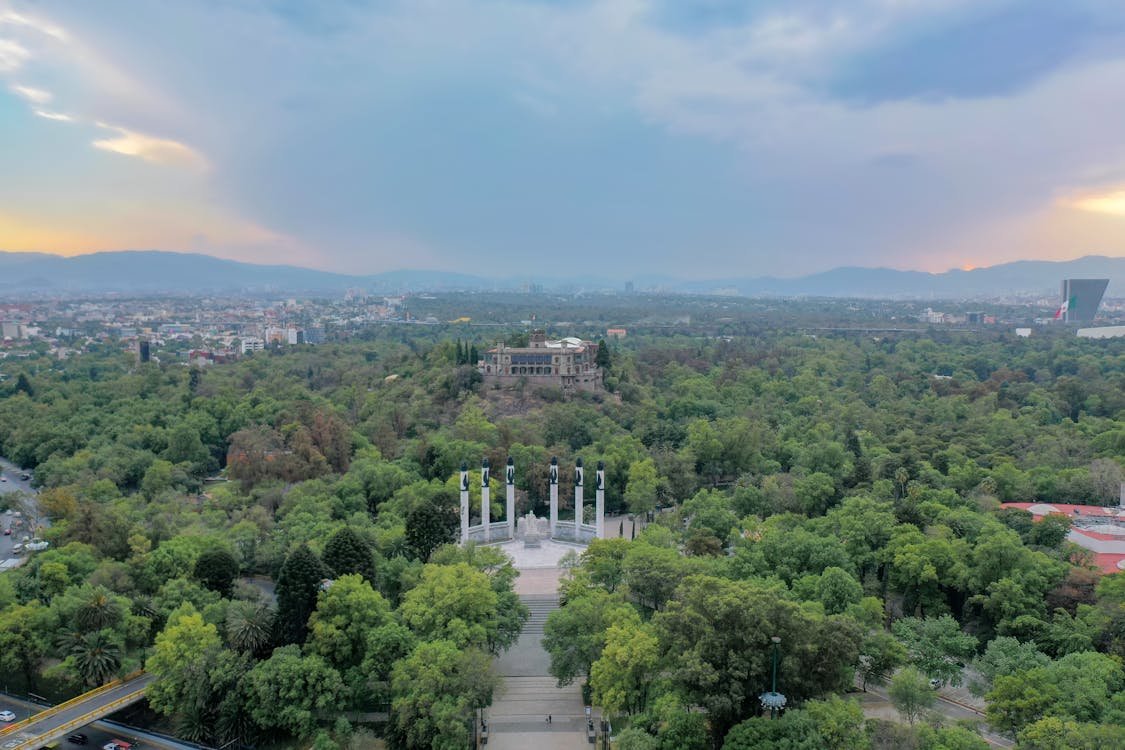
(577, 531)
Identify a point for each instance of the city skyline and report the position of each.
(688, 139)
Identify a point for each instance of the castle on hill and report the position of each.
(568, 363)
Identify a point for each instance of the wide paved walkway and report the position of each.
(527, 693)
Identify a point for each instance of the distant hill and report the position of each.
(148, 272)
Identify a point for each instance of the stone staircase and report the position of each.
(528, 693)
(538, 607)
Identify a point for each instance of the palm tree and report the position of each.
(100, 610)
(249, 626)
(97, 656)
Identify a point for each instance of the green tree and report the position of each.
(641, 490)
(911, 694)
(717, 636)
(839, 722)
(53, 579)
(880, 655)
(293, 692)
(937, 646)
(1057, 733)
(1006, 656)
(339, 629)
(250, 626)
(454, 603)
(186, 447)
(96, 656)
(1020, 699)
(795, 730)
(623, 673)
(346, 552)
(183, 654)
(428, 526)
(216, 569)
(159, 478)
(634, 738)
(435, 692)
(574, 635)
(298, 584)
(837, 590)
(602, 561)
(23, 629)
(652, 573)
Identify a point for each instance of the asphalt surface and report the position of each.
(51, 724)
(98, 732)
(953, 710)
(19, 526)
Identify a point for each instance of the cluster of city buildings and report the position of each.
(937, 317)
(203, 330)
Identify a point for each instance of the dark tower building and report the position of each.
(1080, 299)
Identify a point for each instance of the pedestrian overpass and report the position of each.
(58, 721)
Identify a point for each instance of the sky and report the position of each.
(691, 138)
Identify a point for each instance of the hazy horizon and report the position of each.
(685, 139)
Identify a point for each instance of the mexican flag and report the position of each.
(1065, 306)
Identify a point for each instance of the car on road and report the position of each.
(7, 531)
(3, 478)
(25, 477)
(7, 716)
(78, 739)
(116, 745)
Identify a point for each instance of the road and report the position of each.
(954, 711)
(98, 732)
(19, 527)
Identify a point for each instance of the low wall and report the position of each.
(498, 532)
(564, 530)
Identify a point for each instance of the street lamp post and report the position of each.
(773, 700)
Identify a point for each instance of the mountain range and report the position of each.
(152, 272)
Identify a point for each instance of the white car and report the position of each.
(37, 544)
(6, 716)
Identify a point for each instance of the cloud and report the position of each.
(1111, 202)
(150, 148)
(12, 56)
(58, 116)
(774, 136)
(33, 95)
(46, 28)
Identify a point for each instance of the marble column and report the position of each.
(510, 488)
(484, 501)
(554, 493)
(599, 501)
(579, 475)
(464, 502)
